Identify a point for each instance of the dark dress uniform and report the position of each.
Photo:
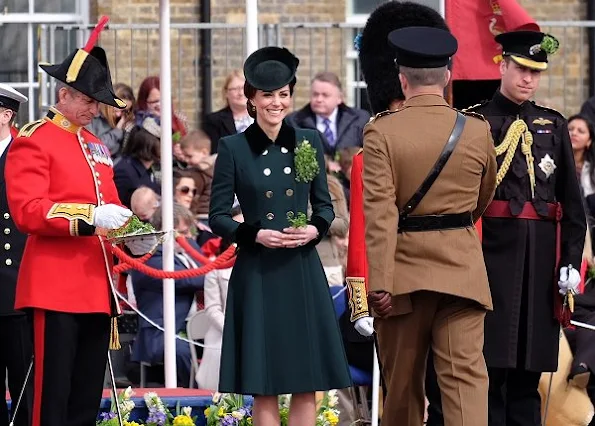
(15, 329)
(519, 246)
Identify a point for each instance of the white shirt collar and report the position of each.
(332, 118)
(4, 144)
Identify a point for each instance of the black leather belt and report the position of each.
(435, 222)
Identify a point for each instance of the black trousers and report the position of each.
(15, 358)
(513, 397)
(581, 340)
(70, 359)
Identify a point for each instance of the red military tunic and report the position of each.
(357, 262)
(356, 273)
(56, 174)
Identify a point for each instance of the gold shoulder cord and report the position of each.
(518, 131)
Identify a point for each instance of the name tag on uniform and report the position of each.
(100, 154)
(543, 131)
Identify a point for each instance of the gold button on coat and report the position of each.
(6, 216)
(269, 194)
(287, 170)
(267, 172)
(7, 246)
(270, 216)
(289, 192)
(7, 231)
(8, 262)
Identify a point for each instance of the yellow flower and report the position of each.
(207, 411)
(331, 417)
(131, 424)
(221, 412)
(249, 420)
(183, 420)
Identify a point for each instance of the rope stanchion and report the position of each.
(222, 260)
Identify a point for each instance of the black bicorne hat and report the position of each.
(87, 71)
(528, 48)
(377, 56)
(270, 68)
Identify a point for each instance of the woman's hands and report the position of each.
(289, 238)
(270, 238)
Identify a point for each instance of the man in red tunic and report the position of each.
(61, 192)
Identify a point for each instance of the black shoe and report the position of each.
(579, 376)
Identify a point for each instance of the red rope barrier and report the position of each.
(196, 255)
(222, 261)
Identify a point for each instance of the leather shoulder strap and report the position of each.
(453, 139)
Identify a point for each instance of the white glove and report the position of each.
(142, 245)
(110, 216)
(364, 326)
(569, 280)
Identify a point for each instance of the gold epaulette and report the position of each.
(471, 107)
(382, 114)
(473, 114)
(28, 129)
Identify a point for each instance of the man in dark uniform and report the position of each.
(530, 264)
(15, 331)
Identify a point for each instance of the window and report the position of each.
(22, 34)
(357, 14)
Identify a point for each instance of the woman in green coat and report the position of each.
(281, 335)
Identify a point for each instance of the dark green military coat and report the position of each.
(281, 334)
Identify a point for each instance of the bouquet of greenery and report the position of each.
(134, 226)
(306, 163)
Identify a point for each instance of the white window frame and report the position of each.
(79, 16)
(358, 20)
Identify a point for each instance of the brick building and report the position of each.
(132, 44)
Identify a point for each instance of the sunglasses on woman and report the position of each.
(185, 190)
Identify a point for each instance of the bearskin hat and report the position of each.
(377, 57)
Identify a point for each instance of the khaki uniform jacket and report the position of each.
(400, 149)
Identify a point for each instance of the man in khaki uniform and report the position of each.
(428, 285)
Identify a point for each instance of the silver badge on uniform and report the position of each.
(547, 165)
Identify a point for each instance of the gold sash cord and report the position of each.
(518, 131)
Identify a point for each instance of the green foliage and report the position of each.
(306, 163)
(132, 227)
(299, 221)
(550, 44)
